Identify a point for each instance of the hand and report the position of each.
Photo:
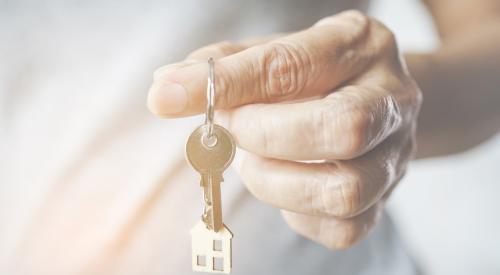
(337, 93)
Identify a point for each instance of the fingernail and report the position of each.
(168, 99)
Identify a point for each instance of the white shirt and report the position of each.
(92, 183)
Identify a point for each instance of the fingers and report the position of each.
(338, 188)
(343, 125)
(332, 232)
(215, 51)
(170, 101)
(303, 64)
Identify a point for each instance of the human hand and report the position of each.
(326, 119)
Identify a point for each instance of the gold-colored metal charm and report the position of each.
(211, 251)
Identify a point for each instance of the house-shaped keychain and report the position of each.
(211, 250)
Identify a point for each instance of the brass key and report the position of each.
(210, 156)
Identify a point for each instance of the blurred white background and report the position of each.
(447, 209)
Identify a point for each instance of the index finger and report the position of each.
(304, 64)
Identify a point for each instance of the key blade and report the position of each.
(211, 185)
(216, 206)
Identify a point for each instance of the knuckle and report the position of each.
(408, 97)
(324, 120)
(388, 38)
(392, 117)
(385, 40)
(283, 67)
(358, 123)
(224, 85)
(350, 192)
(344, 127)
(342, 194)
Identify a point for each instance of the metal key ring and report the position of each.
(209, 117)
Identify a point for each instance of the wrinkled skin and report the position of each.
(325, 119)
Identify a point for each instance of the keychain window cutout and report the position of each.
(218, 264)
(217, 245)
(201, 260)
